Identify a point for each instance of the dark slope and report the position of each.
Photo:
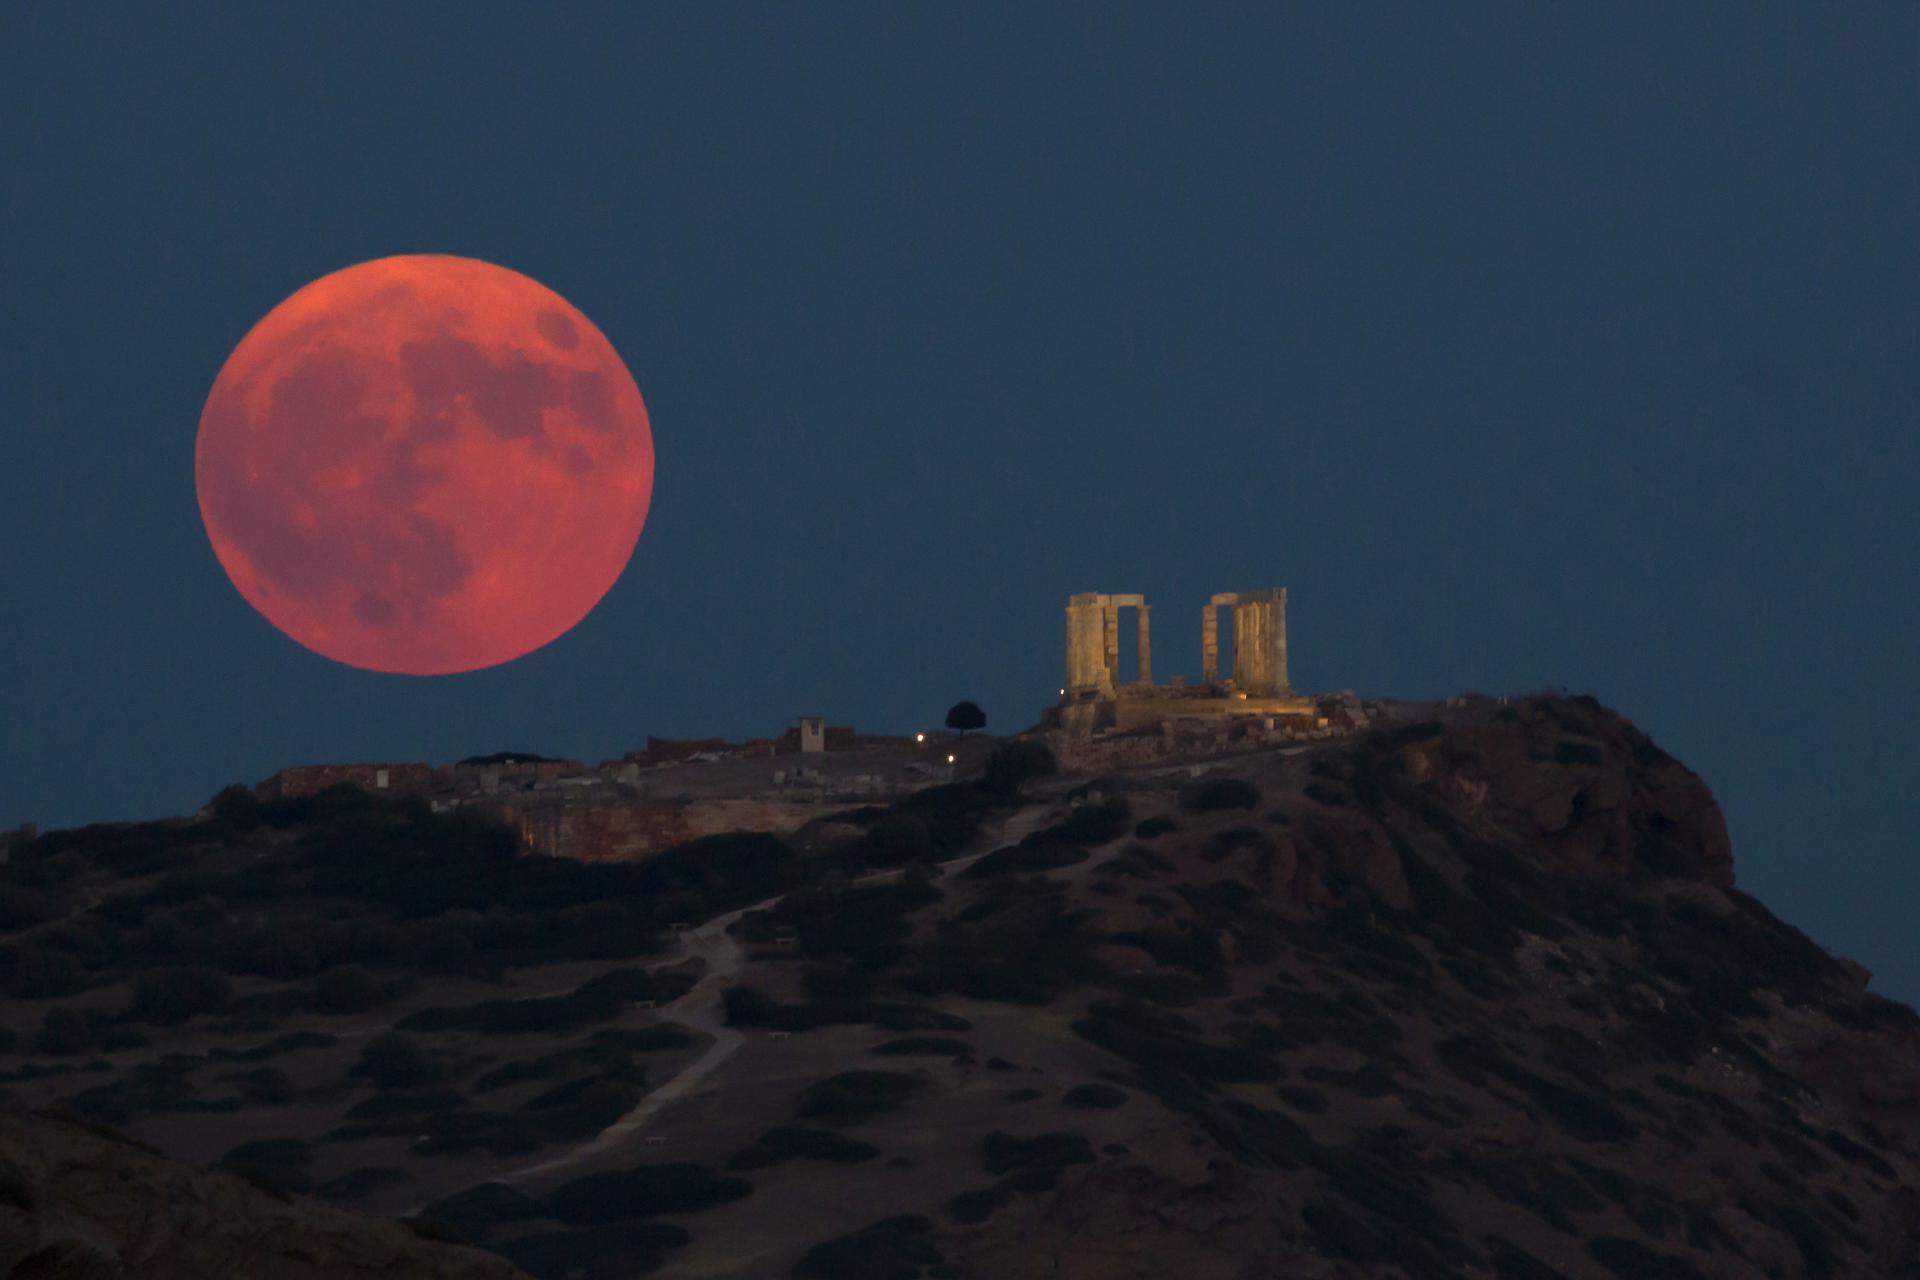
(1472, 997)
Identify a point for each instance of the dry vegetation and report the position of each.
(1471, 997)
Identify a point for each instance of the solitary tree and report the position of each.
(965, 717)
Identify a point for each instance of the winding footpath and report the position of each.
(702, 1008)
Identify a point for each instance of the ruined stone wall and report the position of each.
(676, 750)
(1192, 739)
(839, 737)
(310, 779)
(627, 828)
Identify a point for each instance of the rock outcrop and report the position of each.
(1472, 995)
(79, 1202)
(1585, 790)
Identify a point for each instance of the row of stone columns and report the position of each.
(1093, 642)
(1259, 641)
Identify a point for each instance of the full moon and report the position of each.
(424, 464)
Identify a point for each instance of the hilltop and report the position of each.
(1469, 994)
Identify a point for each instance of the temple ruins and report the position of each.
(1096, 697)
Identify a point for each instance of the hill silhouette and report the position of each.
(1474, 995)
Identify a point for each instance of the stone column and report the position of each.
(1072, 680)
(1245, 657)
(1277, 642)
(1111, 654)
(1146, 646)
(1086, 652)
(1209, 644)
(1260, 643)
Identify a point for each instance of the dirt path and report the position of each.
(702, 1007)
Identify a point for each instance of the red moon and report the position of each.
(424, 464)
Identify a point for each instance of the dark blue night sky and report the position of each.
(1526, 344)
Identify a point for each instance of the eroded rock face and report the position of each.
(1586, 790)
(1129, 1220)
(1498, 1010)
(78, 1203)
(1561, 784)
(1467, 997)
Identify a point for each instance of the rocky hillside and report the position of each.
(1469, 996)
(81, 1203)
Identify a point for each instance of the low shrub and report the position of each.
(923, 1046)
(952, 815)
(853, 1096)
(1032, 1165)
(1136, 861)
(894, 841)
(662, 1035)
(750, 1007)
(358, 1183)
(1860, 1154)
(1029, 856)
(433, 1230)
(266, 1086)
(1103, 1097)
(1094, 823)
(1370, 1080)
(347, 989)
(641, 1192)
(1631, 1260)
(1587, 1116)
(35, 972)
(275, 1164)
(1162, 1042)
(520, 1071)
(1025, 952)
(790, 1141)
(388, 1106)
(855, 922)
(64, 1032)
(1014, 764)
(1211, 795)
(172, 996)
(615, 1251)
(292, 1042)
(22, 908)
(611, 1098)
(1222, 844)
(1567, 751)
(1004, 1153)
(895, 1249)
(395, 1061)
(595, 1000)
(477, 1210)
(970, 1207)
